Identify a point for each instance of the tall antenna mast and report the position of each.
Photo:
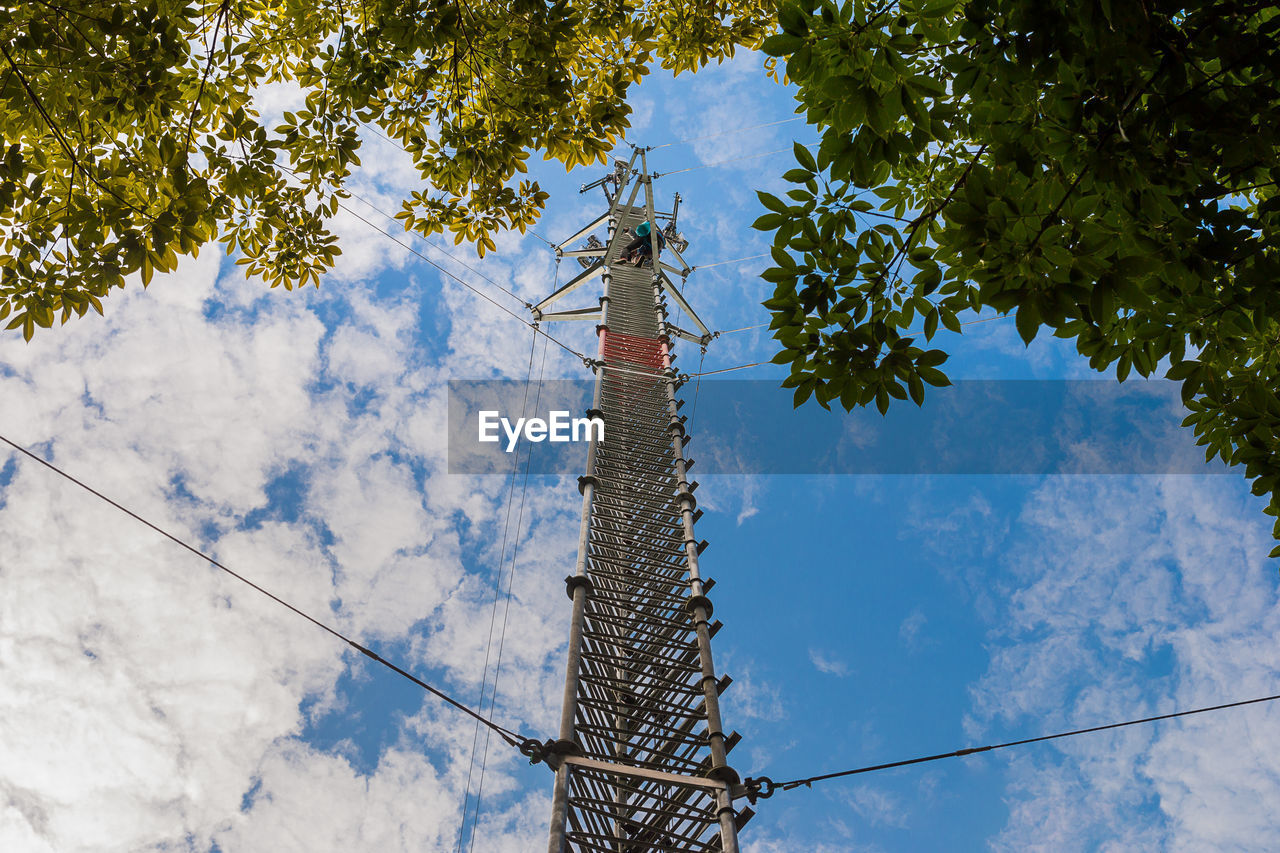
(641, 759)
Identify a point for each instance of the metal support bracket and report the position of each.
(645, 773)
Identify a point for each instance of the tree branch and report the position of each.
(208, 66)
(62, 141)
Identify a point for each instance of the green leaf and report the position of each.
(804, 157)
(934, 377)
(769, 222)
(772, 202)
(781, 44)
(932, 358)
(1028, 322)
(928, 278)
(916, 388)
(1101, 301)
(1122, 367)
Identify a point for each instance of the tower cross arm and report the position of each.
(671, 288)
(573, 314)
(685, 334)
(685, 268)
(570, 286)
(681, 780)
(596, 223)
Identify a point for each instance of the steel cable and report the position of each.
(506, 610)
(765, 787)
(493, 611)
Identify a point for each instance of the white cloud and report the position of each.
(909, 630)
(141, 689)
(828, 664)
(756, 842)
(876, 807)
(1137, 597)
(308, 800)
(145, 693)
(751, 697)
(727, 100)
(732, 494)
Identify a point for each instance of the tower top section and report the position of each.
(630, 234)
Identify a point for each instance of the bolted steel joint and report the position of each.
(696, 601)
(572, 582)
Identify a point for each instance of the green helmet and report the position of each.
(642, 230)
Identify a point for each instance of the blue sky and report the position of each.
(151, 704)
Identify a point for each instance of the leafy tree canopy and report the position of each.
(131, 137)
(1103, 170)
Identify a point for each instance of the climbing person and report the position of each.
(640, 249)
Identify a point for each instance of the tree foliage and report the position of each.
(1103, 170)
(131, 135)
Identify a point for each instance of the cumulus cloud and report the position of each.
(151, 702)
(721, 102)
(1137, 596)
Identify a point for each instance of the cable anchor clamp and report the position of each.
(759, 789)
(535, 750)
(549, 751)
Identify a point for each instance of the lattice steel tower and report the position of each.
(641, 757)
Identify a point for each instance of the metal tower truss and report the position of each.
(641, 757)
